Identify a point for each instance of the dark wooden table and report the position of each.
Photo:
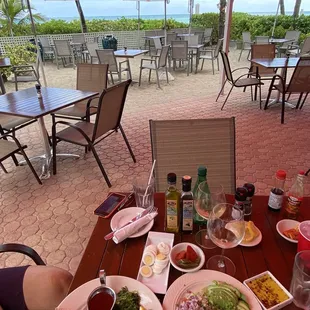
(274, 253)
(4, 63)
(276, 62)
(129, 53)
(25, 103)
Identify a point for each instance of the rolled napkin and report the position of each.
(127, 231)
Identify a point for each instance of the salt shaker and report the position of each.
(38, 89)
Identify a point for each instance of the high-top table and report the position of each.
(25, 103)
(273, 253)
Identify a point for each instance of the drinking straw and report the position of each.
(148, 183)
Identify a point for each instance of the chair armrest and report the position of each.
(22, 66)
(240, 69)
(23, 249)
(72, 126)
(121, 62)
(147, 59)
(211, 51)
(14, 138)
(247, 74)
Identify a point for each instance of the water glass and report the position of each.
(139, 187)
(304, 236)
(300, 285)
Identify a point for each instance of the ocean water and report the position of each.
(179, 17)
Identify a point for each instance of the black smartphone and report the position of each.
(110, 205)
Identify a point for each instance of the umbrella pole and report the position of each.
(275, 20)
(36, 41)
(165, 22)
(138, 8)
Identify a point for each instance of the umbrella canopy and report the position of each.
(165, 13)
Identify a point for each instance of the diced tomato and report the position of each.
(180, 255)
(191, 254)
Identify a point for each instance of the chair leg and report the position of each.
(150, 73)
(220, 91)
(218, 64)
(299, 100)
(127, 143)
(303, 102)
(167, 75)
(260, 97)
(100, 165)
(30, 166)
(112, 80)
(268, 96)
(3, 168)
(240, 55)
(54, 149)
(248, 58)
(157, 77)
(213, 66)
(227, 97)
(140, 76)
(283, 108)
(13, 155)
(203, 61)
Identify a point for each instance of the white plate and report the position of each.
(124, 216)
(254, 242)
(77, 299)
(286, 225)
(158, 283)
(196, 281)
(278, 306)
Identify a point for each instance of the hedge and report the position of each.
(256, 24)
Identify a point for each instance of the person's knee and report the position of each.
(60, 280)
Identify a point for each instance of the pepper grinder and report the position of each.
(38, 89)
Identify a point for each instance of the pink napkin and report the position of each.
(127, 231)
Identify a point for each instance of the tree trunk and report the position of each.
(297, 8)
(222, 7)
(282, 8)
(82, 18)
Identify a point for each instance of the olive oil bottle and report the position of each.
(187, 205)
(172, 204)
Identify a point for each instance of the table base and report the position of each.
(45, 174)
(276, 101)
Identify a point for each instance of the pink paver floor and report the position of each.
(56, 219)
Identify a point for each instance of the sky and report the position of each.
(67, 8)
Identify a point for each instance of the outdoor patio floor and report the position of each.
(56, 219)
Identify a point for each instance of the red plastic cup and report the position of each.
(304, 236)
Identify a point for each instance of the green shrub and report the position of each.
(19, 55)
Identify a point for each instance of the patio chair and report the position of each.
(108, 120)
(10, 149)
(183, 145)
(179, 52)
(156, 64)
(26, 73)
(293, 36)
(47, 49)
(200, 35)
(246, 44)
(172, 36)
(90, 77)
(147, 42)
(107, 57)
(262, 51)
(78, 38)
(241, 81)
(262, 40)
(296, 50)
(298, 84)
(192, 40)
(207, 36)
(158, 45)
(211, 54)
(63, 51)
(90, 51)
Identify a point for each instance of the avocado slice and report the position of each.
(226, 288)
(222, 298)
(242, 305)
(235, 290)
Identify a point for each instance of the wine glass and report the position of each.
(207, 196)
(226, 229)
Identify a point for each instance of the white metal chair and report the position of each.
(107, 57)
(64, 51)
(47, 49)
(156, 64)
(293, 37)
(211, 54)
(246, 44)
(90, 52)
(179, 52)
(207, 36)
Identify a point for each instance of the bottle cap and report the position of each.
(38, 86)
(281, 174)
(241, 194)
(172, 177)
(301, 172)
(186, 183)
(251, 189)
(202, 171)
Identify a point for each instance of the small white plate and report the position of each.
(124, 216)
(286, 225)
(158, 283)
(182, 247)
(254, 242)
